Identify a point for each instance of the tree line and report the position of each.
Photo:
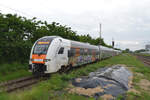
(17, 35)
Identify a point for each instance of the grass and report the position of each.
(142, 96)
(55, 87)
(10, 67)
(14, 75)
(13, 70)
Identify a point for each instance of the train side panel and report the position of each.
(82, 53)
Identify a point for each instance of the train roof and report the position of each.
(80, 44)
(83, 45)
(106, 48)
(51, 37)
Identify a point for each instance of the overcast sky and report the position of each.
(127, 21)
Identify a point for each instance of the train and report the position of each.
(50, 54)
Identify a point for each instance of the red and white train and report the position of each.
(51, 53)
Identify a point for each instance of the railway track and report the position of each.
(144, 59)
(20, 83)
(24, 82)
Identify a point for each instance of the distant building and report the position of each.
(147, 47)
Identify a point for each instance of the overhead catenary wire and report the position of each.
(18, 11)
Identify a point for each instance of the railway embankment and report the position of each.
(57, 86)
(145, 59)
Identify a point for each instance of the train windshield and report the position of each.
(41, 47)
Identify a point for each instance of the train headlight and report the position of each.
(46, 60)
(39, 60)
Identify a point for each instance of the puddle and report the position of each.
(108, 82)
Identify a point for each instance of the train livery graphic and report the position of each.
(51, 53)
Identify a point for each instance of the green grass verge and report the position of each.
(55, 87)
(13, 70)
(14, 75)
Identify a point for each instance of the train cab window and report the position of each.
(61, 50)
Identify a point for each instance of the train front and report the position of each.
(39, 59)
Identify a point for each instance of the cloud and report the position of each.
(132, 45)
(127, 21)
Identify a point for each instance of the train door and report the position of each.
(62, 59)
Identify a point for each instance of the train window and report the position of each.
(69, 53)
(42, 45)
(89, 51)
(85, 51)
(72, 52)
(97, 52)
(40, 49)
(61, 50)
(81, 51)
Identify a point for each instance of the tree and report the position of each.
(17, 35)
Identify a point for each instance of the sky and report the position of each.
(125, 21)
